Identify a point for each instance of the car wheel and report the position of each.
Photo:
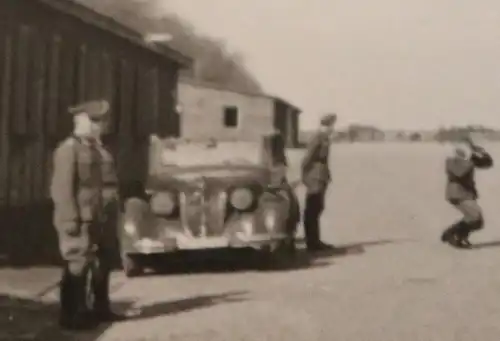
(131, 266)
(264, 258)
(276, 256)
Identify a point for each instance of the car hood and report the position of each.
(224, 176)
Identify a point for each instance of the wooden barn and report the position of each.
(210, 111)
(54, 53)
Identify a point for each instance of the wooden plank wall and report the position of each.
(49, 61)
(286, 121)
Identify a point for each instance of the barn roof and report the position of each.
(109, 24)
(213, 86)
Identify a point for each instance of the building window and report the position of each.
(230, 117)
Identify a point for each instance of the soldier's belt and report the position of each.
(101, 186)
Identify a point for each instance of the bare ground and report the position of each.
(395, 280)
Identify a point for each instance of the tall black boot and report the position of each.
(311, 227)
(103, 311)
(458, 235)
(101, 291)
(463, 232)
(66, 300)
(74, 312)
(452, 233)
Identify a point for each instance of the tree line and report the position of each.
(369, 133)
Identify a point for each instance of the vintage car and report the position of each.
(211, 195)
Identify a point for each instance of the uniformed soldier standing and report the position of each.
(316, 177)
(84, 192)
(461, 191)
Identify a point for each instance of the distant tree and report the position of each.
(415, 137)
(360, 131)
(212, 61)
(454, 133)
(352, 134)
(341, 136)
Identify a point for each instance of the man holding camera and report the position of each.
(461, 191)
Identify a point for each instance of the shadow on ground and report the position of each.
(229, 261)
(486, 245)
(351, 249)
(186, 305)
(25, 319)
(223, 261)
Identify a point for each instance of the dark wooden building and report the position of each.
(54, 53)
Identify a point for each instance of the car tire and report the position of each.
(265, 258)
(277, 256)
(131, 266)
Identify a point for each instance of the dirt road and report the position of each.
(397, 282)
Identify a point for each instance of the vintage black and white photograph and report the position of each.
(248, 170)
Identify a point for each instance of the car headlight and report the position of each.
(270, 219)
(163, 203)
(241, 199)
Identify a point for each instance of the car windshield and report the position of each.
(220, 154)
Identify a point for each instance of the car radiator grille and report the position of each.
(203, 214)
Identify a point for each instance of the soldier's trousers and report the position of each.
(472, 218)
(80, 255)
(294, 214)
(314, 206)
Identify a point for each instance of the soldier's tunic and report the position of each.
(84, 191)
(462, 193)
(316, 177)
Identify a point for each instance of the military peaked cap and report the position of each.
(328, 120)
(95, 109)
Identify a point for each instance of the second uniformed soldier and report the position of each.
(84, 189)
(461, 191)
(316, 178)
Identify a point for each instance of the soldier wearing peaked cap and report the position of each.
(328, 120)
(316, 177)
(95, 110)
(461, 191)
(84, 189)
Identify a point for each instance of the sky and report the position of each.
(393, 63)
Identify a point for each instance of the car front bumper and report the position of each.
(182, 242)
